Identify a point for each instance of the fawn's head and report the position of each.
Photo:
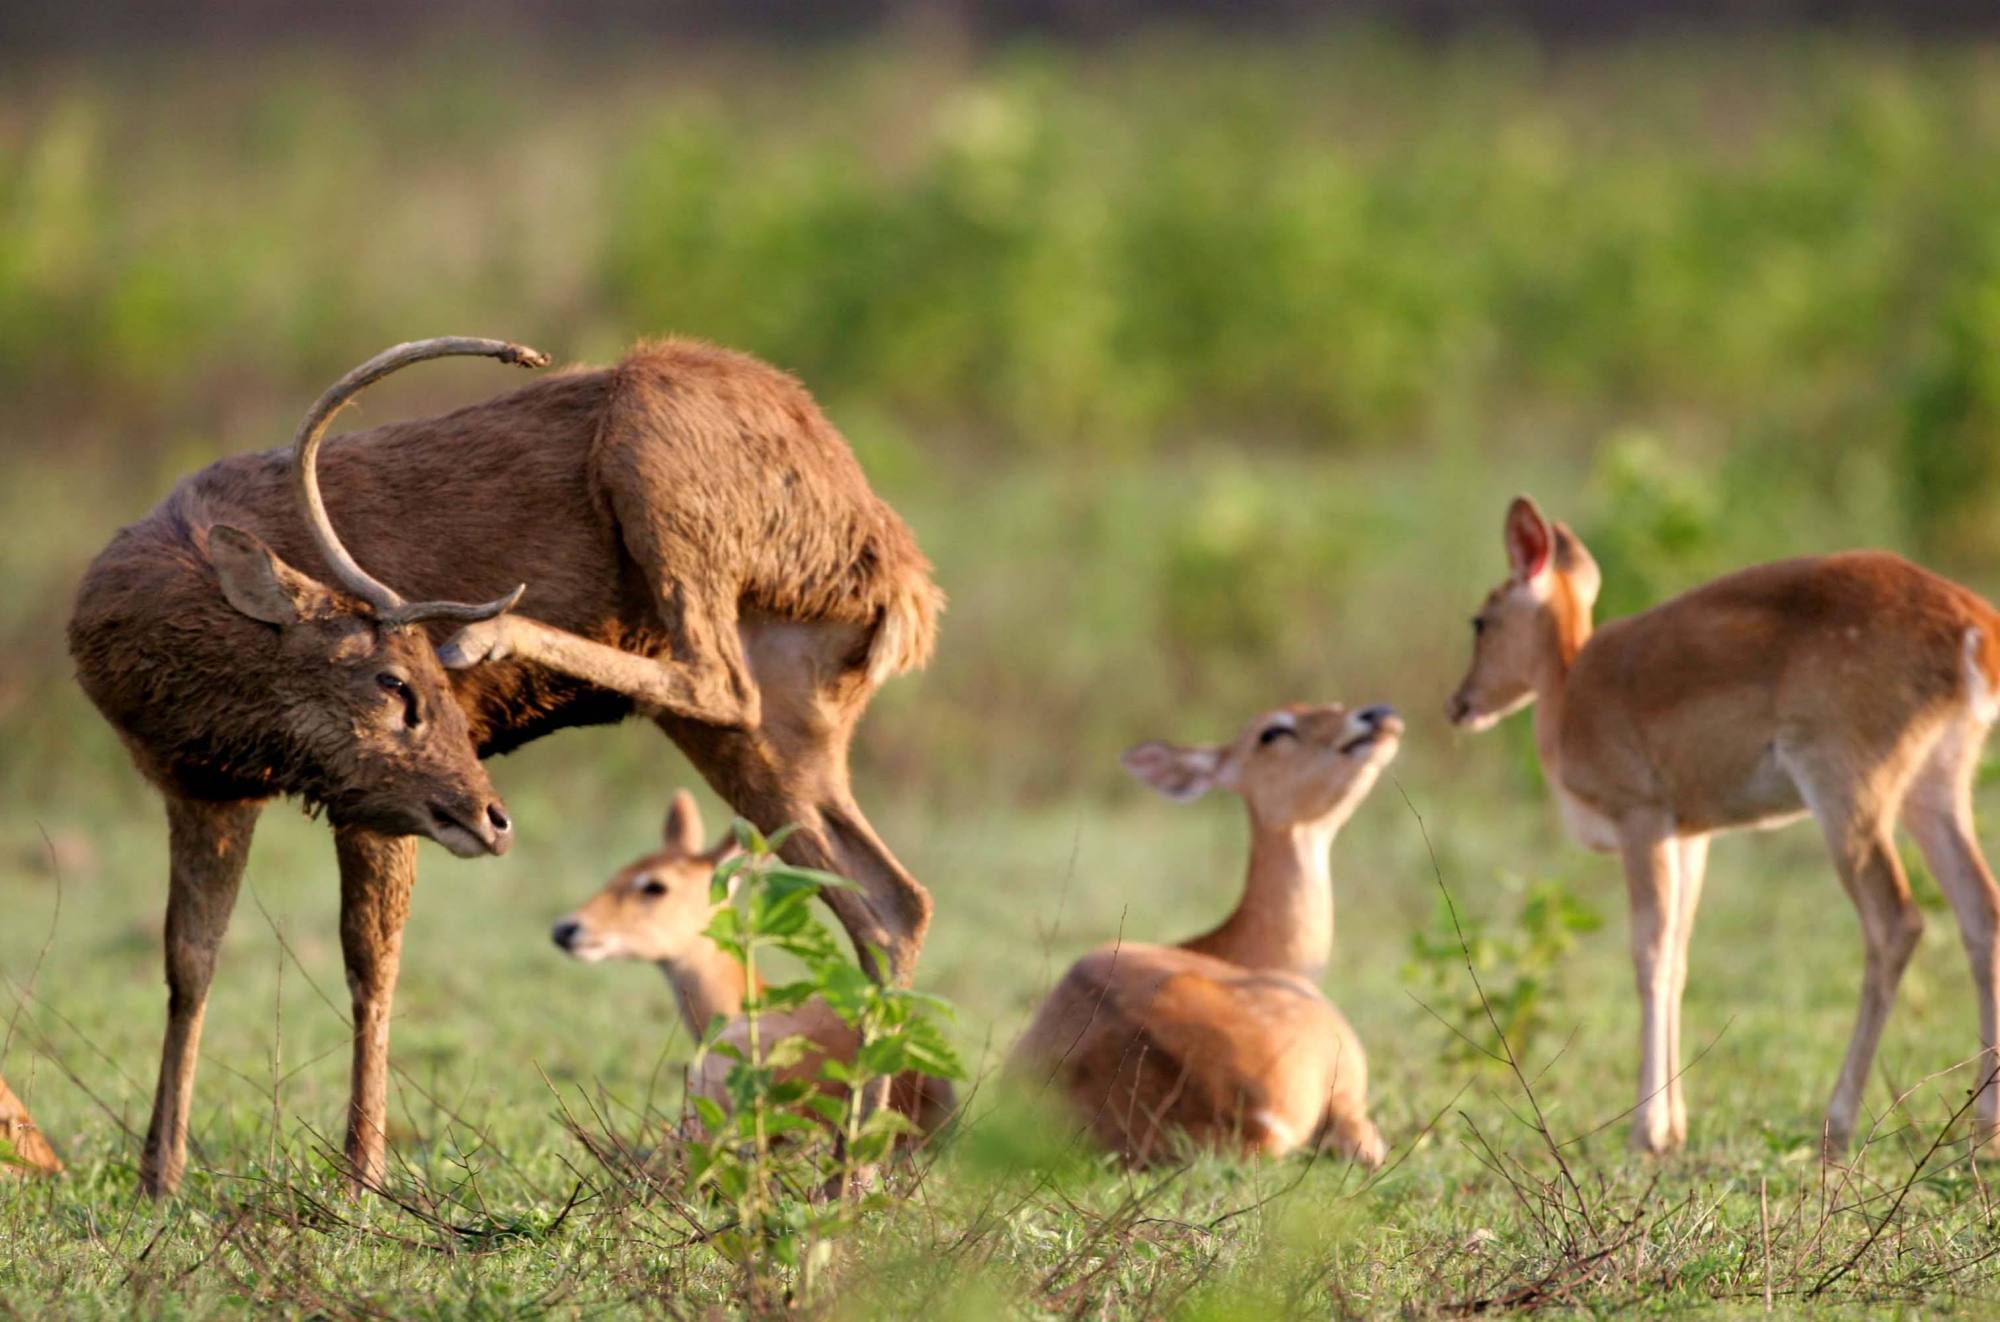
(1531, 626)
(1296, 766)
(656, 908)
(377, 735)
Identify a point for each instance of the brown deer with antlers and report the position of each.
(1224, 1041)
(682, 536)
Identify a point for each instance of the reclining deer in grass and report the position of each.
(1225, 1041)
(1855, 687)
(659, 908)
(697, 546)
(23, 1149)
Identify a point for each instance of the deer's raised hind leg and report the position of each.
(1693, 870)
(713, 688)
(208, 844)
(1938, 812)
(376, 876)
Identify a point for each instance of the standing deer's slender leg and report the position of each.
(1652, 870)
(1938, 812)
(208, 844)
(1856, 822)
(1693, 870)
(377, 873)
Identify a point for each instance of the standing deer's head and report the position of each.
(368, 709)
(1531, 626)
(1296, 766)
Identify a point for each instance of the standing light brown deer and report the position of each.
(659, 908)
(23, 1150)
(698, 546)
(1225, 1041)
(1854, 687)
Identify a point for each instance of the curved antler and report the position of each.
(389, 605)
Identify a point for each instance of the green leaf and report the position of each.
(788, 1051)
(710, 1112)
(749, 838)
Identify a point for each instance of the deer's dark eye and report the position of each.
(413, 715)
(1273, 733)
(1478, 625)
(652, 888)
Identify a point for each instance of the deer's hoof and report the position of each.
(476, 644)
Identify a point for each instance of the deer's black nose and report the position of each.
(564, 932)
(498, 816)
(1377, 714)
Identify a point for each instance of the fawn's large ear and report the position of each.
(683, 828)
(725, 848)
(1529, 540)
(1182, 774)
(255, 581)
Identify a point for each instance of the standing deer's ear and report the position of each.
(1528, 540)
(256, 582)
(683, 830)
(1577, 564)
(1182, 774)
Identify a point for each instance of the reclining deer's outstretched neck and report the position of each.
(1224, 1040)
(682, 536)
(659, 908)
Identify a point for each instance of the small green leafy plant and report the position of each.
(788, 1162)
(1516, 966)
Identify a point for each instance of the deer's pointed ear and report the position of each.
(1576, 561)
(255, 581)
(683, 829)
(1182, 774)
(1529, 540)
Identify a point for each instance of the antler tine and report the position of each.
(452, 612)
(305, 475)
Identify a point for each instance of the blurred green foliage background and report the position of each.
(1202, 365)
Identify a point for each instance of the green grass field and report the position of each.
(1203, 374)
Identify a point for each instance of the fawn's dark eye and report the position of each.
(1478, 625)
(652, 888)
(1273, 733)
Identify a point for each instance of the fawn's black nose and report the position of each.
(564, 932)
(1377, 714)
(498, 816)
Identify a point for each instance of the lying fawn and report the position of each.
(23, 1150)
(1855, 687)
(1225, 1040)
(659, 908)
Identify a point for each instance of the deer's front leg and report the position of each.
(209, 844)
(1652, 875)
(716, 691)
(377, 873)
